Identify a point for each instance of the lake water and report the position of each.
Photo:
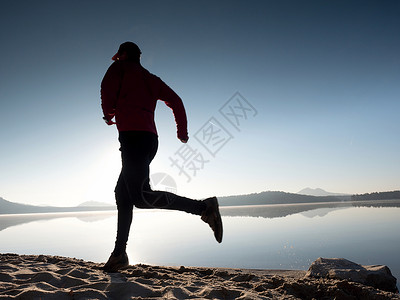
(261, 237)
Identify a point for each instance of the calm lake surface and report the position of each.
(260, 237)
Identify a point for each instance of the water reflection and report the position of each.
(309, 210)
(20, 219)
(277, 211)
(264, 237)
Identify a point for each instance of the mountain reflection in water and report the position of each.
(19, 219)
(282, 210)
(261, 211)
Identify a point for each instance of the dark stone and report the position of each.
(377, 276)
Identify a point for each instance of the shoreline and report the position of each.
(27, 210)
(111, 210)
(56, 277)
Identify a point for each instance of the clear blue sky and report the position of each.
(323, 77)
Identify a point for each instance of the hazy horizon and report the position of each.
(310, 192)
(318, 81)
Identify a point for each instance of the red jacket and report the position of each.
(130, 93)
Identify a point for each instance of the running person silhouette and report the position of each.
(129, 93)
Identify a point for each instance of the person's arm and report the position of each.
(110, 87)
(173, 101)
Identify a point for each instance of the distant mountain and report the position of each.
(263, 198)
(270, 197)
(7, 207)
(317, 192)
(276, 197)
(393, 195)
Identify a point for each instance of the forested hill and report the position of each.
(271, 197)
(377, 196)
(7, 207)
(263, 198)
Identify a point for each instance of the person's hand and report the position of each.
(108, 122)
(183, 138)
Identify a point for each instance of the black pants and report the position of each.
(138, 149)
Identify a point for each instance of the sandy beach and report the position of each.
(54, 277)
